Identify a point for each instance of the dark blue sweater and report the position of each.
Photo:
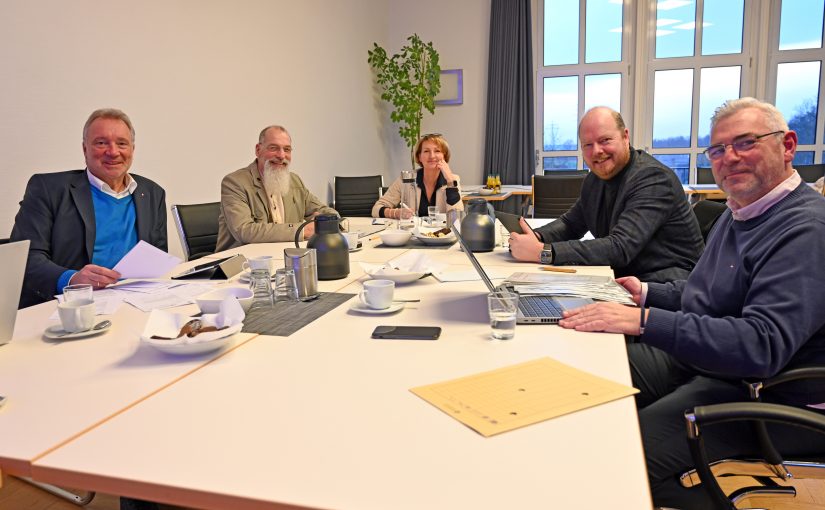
(755, 303)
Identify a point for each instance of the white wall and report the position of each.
(459, 30)
(200, 78)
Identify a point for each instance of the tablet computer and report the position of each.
(510, 222)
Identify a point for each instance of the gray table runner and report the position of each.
(286, 318)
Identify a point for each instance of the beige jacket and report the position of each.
(392, 198)
(246, 216)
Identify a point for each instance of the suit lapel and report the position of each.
(82, 197)
(260, 191)
(143, 209)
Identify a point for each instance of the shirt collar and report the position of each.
(105, 188)
(770, 199)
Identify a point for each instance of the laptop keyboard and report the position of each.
(539, 306)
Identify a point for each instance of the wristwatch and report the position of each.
(547, 255)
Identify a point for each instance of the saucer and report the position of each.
(360, 307)
(56, 332)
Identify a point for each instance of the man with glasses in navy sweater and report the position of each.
(82, 222)
(751, 308)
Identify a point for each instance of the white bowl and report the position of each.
(395, 237)
(211, 301)
(486, 191)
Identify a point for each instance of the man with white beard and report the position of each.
(265, 202)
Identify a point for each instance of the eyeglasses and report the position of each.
(740, 145)
(430, 135)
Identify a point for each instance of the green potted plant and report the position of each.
(410, 80)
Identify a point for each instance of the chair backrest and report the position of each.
(810, 173)
(355, 196)
(554, 194)
(704, 176)
(198, 228)
(707, 212)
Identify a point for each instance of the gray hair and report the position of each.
(108, 113)
(275, 127)
(772, 116)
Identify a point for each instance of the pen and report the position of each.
(373, 238)
(557, 269)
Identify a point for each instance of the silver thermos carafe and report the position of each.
(304, 262)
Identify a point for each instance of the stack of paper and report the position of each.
(600, 288)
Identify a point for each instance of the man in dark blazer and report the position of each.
(81, 222)
(633, 205)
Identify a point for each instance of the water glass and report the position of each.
(286, 288)
(78, 292)
(261, 285)
(503, 309)
(431, 210)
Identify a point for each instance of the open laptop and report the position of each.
(532, 308)
(14, 257)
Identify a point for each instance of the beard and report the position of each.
(276, 178)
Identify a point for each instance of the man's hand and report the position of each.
(607, 317)
(632, 285)
(526, 247)
(309, 230)
(98, 276)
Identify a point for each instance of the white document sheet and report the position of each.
(146, 261)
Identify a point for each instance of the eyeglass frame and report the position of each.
(750, 139)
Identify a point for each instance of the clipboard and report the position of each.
(219, 269)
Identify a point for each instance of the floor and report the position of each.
(18, 495)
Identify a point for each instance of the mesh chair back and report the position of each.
(554, 194)
(355, 196)
(704, 176)
(810, 173)
(198, 228)
(707, 212)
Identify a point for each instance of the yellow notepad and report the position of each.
(519, 395)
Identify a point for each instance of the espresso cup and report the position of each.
(77, 315)
(263, 262)
(377, 294)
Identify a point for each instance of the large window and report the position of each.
(668, 65)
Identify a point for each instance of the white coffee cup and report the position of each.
(377, 294)
(77, 315)
(352, 240)
(263, 262)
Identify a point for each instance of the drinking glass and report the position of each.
(286, 288)
(431, 210)
(78, 292)
(261, 285)
(503, 309)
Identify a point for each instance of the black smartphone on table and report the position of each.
(406, 332)
(511, 223)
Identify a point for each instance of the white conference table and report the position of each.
(324, 418)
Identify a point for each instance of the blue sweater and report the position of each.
(755, 303)
(115, 232)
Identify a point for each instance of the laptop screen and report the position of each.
(474, 261)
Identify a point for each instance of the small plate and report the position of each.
(56, 332)
(436, 241)
(360, 247)
(169, 347)
(486, 191)
(358, 306)
(397, 276)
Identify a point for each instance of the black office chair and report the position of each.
(355, 196)
(554, 193)
(771, 466)
(810, 173)
(707, 212)
(198, 228)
